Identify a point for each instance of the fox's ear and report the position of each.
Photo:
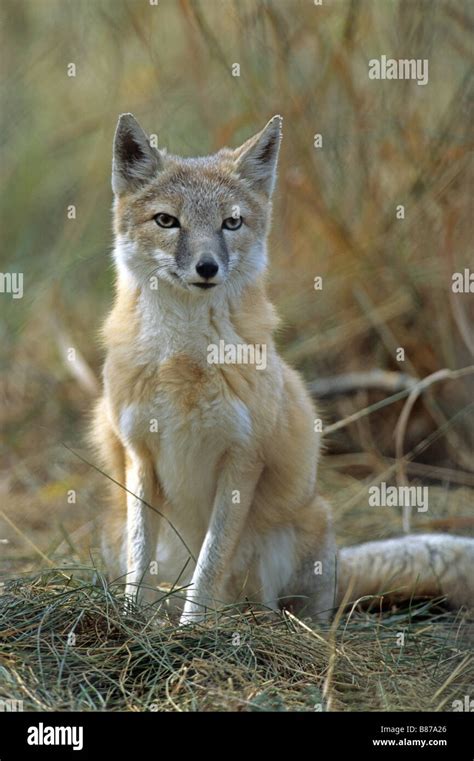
(256, 160)
(134, 159)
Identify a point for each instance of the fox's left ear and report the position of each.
(256, 160)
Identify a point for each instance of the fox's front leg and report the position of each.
(235, 490)
(142, 525)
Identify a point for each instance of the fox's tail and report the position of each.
(423, 565)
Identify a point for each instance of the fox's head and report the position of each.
(200, 224)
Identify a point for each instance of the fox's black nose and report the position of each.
(207, 267)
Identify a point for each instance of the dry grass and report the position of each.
(66, 644)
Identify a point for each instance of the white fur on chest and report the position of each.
(186, 443)
(192, 445)
(187, 446)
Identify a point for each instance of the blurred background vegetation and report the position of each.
(386, 281)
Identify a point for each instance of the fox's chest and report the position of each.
(184, 396)
(187, 420)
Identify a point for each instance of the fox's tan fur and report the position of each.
(231, 460)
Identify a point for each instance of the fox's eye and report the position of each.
(232, 223)
(166, 220)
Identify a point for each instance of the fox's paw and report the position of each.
(193, 613)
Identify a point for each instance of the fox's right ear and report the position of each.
(134, 159)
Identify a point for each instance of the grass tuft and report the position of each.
(66, 643)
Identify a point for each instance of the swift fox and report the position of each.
(215, 456)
